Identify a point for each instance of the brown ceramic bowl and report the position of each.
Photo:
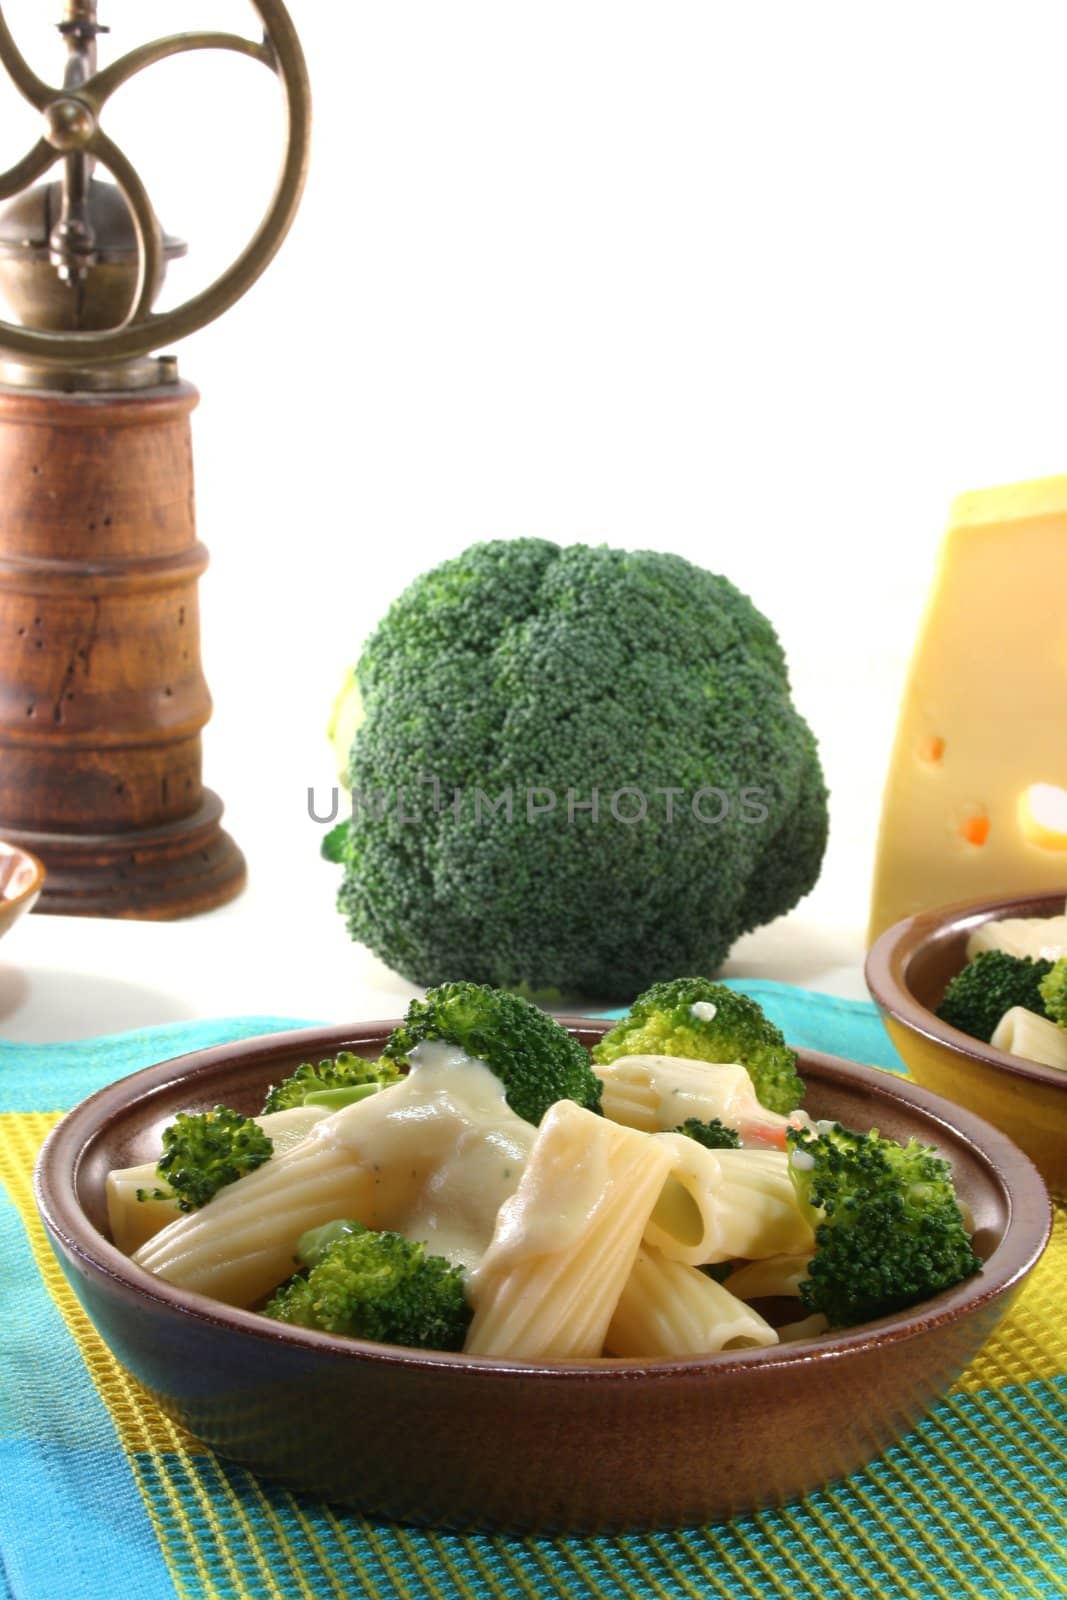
(554, 1446)
(907, 970)
(21, 881)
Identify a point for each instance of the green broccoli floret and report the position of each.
(374, 1286)
(203, 1152)
(333, 1083)
(888, 1226)
(1053, 989)
(536, 1060)
(713, 1135)
(704, 1021)
(518, 701)
(976, 998)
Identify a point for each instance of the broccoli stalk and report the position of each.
(991, 984)
(203, 1152)
(505, 700)
(536, 1060)
(705, 1021)
(888, 1227)
(335, 1083)
(369, 1285)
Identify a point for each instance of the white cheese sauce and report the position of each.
(445, 1148)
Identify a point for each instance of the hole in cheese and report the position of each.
(1043, 816)
(932, 750)
(975, 829)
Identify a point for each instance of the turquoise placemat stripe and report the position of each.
(72, 1522)
(54, 1077)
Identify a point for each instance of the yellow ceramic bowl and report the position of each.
(21, 879)
(907, 970)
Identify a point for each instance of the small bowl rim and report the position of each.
(17, 902)
(886, 966)
(1024, 1239)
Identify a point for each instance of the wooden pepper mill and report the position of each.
(102, 696)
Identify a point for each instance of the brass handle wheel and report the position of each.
(71, 117)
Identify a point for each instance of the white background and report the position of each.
(765, 284)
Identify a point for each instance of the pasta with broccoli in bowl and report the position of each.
(486, 1267)
(974, 997)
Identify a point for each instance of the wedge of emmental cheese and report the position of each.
(976, 797)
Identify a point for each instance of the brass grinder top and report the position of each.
(82, 260)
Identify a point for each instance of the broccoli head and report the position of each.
(705, 1021)
(573, 770)
(1053, 990)
(369, 1285)
(888, 1226)
(204, 1151)
(333, 1083)
(976, 998)
(536, 1060)
(713, 1135)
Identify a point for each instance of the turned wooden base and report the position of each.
(150, 873)
(102, 696)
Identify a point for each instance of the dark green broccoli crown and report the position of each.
(536, 1060)
(377, 1286)
(661, 1022)
(976, 998)
(545, 674)
(203, 1152)
(1053, 991)
(889, 1230)
(713, 1135)
(313, 1084)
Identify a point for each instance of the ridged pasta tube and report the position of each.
(432, 1157)
(658, 1093)
(242, 1244)
(722, 1205)
(668, 1309)
(565, 1244)
(134, 1221)
(775, 1277)
(806, 1328)
(1023, 1033)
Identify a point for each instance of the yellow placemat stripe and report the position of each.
(139, 1426)
(1032, 1340)
(143, 1431)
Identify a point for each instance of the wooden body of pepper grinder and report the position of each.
(102, 696)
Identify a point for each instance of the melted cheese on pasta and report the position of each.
(445, 1149)
(432, 1157)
